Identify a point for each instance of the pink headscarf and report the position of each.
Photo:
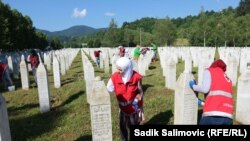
(219, 63)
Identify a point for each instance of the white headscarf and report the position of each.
(127, 68)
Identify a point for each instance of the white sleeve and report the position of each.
(206, 83)
(110, 86)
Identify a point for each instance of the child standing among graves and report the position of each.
(127, 86)
(97, 57)
(218, 108)
(33, 59)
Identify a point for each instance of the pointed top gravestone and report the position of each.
(100, 109)
(185, 104)
(43, 88)
(24, 74)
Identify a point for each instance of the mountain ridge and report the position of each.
(71, 32)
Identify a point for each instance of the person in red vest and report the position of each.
(122, 51)
(97, 57)
(5, 75)
(33, 59)
(127, 86)
(218, 108)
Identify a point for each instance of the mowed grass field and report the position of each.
(69, 118)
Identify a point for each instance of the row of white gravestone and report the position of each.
(43, 91)
(89, 74)
(99, 102)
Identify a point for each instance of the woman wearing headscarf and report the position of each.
(127, 86)
(218, 108)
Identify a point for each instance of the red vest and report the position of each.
(126, 93)
(2, 69)
(219, 101)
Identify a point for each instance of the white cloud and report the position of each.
(109, 14)
(77, 13)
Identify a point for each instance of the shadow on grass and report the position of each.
(194, 72)
(84, 138)
(28, 128)
(75, 67)
(162, 118)
(148, 75)
(24, 107)
(36, 125)
(145, 87)
(67, 81)
(72, 98)
(151, 67)
(99, 71)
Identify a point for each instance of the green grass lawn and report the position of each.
(69, 118)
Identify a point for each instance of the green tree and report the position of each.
(243, 8)
(164, 32)
(111, 34)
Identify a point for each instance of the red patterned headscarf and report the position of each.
(219, 63)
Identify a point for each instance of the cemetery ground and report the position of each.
(69, 118)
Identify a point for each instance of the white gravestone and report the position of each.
(185, 104)
(232, 69)
(4, 121)
(243, 98)
(170, 78)
(100, 110)
(106, 64)
(10, 64)
(62, 63)
(56, 73)
(24, 74)
(43, 88)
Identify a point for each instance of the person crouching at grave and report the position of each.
(218, 108)
(127, 86)
(33, 59)
(5, 75)
(97, 57)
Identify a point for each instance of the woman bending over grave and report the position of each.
(218, 108)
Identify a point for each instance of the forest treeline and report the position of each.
(228, 27)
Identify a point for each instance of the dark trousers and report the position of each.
(215, 120)
(125, 122)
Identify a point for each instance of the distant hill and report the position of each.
(74, 31)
